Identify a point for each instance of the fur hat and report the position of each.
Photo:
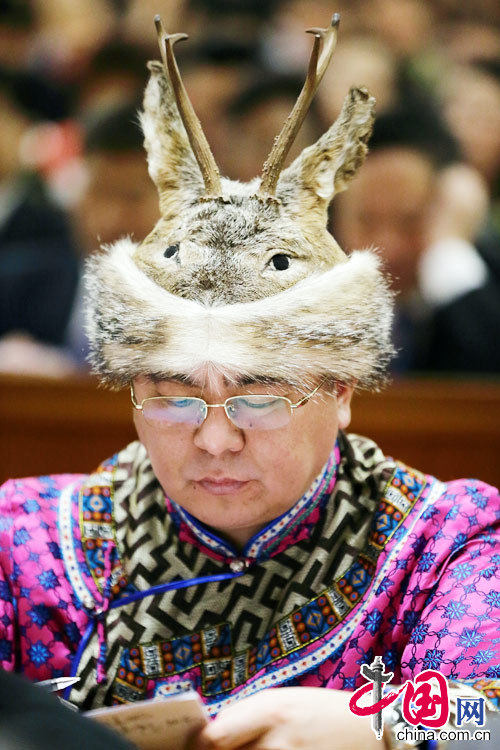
(243, 278)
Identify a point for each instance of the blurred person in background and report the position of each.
(119, 200)
(468, 31)
(68, 34)
(405, 26)
(214, 72)
(38, 268)
(49, 99)
(425, 219)
(285, 47)
(114, 76)
(471, 105)
(359, 60)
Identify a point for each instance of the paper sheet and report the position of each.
(165, 724)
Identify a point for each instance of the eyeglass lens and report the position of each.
(246, 412)
(258, 412)
(164, 412)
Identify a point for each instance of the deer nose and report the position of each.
(217, 434)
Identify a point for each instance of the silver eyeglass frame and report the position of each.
(224, 405)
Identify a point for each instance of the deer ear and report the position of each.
(325, 168)
(171, 161)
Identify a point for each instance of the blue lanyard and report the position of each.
(137, 596)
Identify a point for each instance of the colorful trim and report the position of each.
(98, 533)
(65, 524)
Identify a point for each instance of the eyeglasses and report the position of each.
(248, 412)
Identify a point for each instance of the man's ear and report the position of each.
(325, 168)
(344, 396)
(171, 161)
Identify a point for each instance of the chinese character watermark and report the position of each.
(425, 700)
(470, 710)
(377, 675)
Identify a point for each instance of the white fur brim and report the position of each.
(335, 323)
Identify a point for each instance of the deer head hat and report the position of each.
(243, 278)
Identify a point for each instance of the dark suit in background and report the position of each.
(38, 265)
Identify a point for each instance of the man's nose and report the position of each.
(218, 434)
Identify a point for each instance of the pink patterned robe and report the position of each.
(375, 559)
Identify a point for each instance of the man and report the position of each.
(245, 542)
(38, 269)
(118, 200)
(424, 211)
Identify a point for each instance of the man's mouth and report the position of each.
(222, 485)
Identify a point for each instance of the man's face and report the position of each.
(237, 481)
(387, 206)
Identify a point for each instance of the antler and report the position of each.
(283, 143)
(199, 143)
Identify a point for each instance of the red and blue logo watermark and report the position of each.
(425, 701)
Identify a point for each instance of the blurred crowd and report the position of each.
(73, 171)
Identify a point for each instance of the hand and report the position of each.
(289, 719)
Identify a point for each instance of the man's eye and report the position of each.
(250, 404)
(180, 403)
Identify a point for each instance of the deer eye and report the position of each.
(170, 251)
(280, 261)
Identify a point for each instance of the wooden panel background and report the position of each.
(448, 428)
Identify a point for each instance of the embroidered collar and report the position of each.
(292, 526)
